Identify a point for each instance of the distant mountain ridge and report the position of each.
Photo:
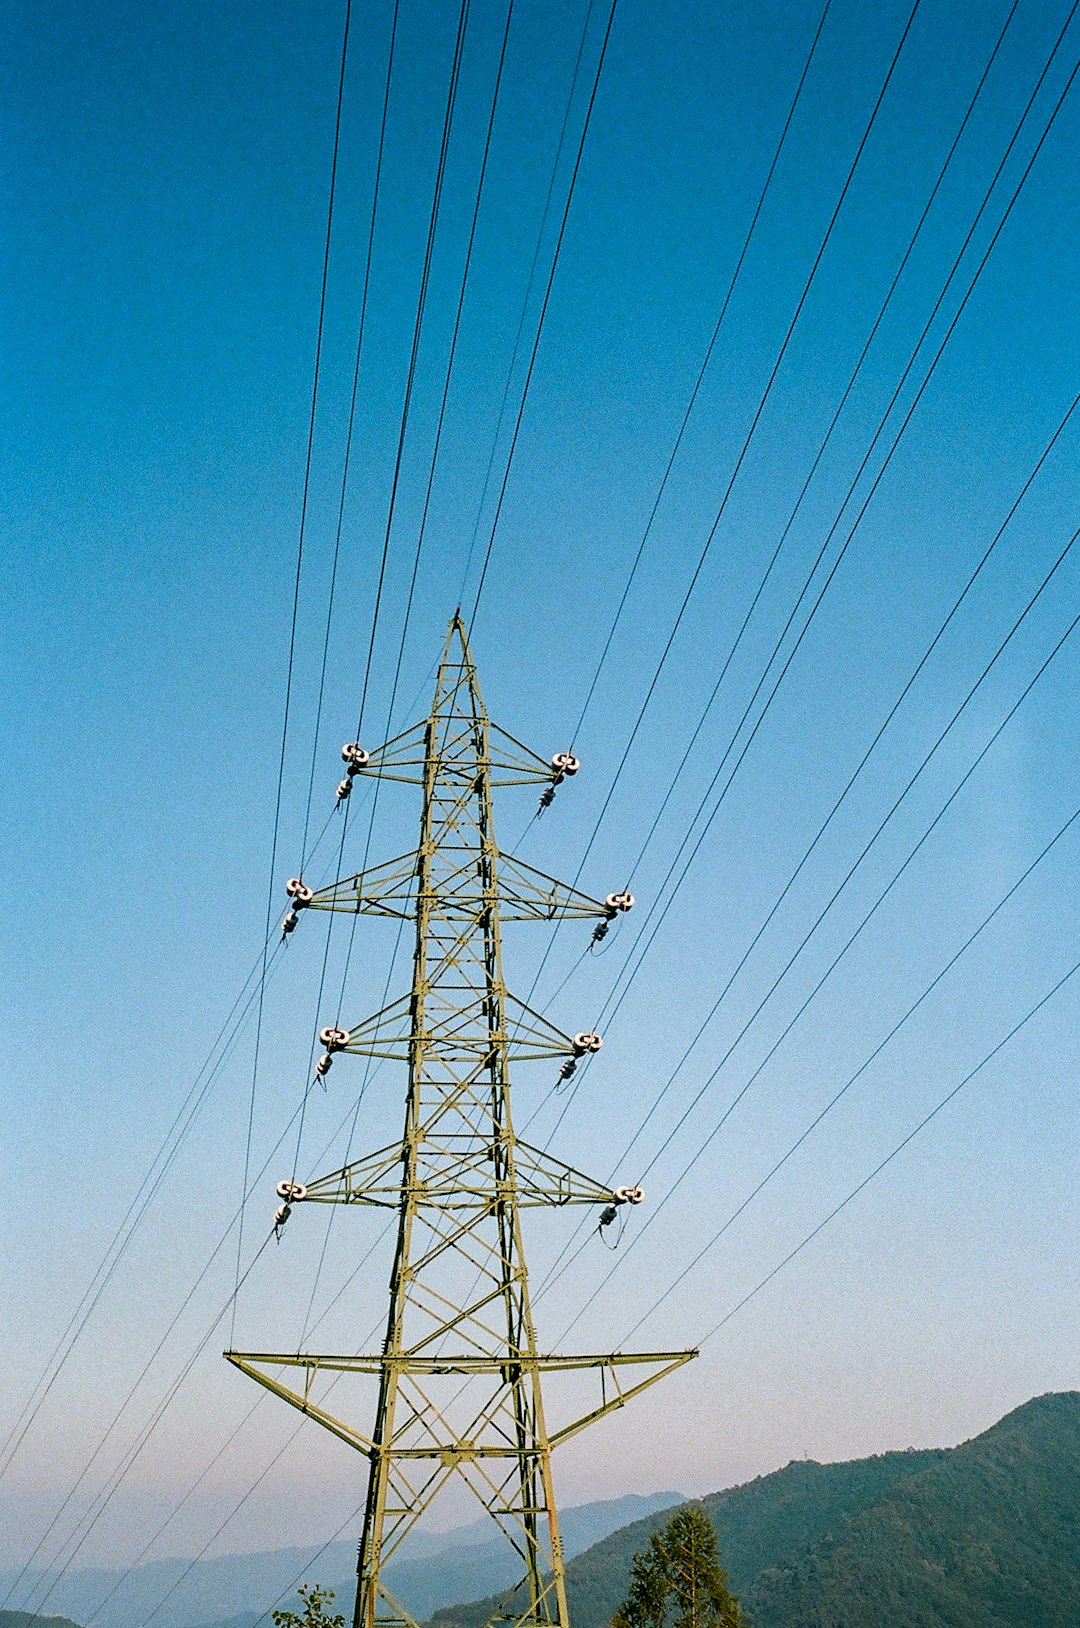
(27, 1619)
(984, 1535)
(235, 1591)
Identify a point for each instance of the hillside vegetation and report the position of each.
(27, 1619)
(985, 1535)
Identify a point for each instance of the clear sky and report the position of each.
(165, 200)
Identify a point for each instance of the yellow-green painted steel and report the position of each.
(459, 1374)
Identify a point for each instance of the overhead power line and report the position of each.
(527, 300)
(558, 1270)
(675, 778)
(896, 1152)
(943, 628)
(410, 380)
(543, 314)
(90, 1517)
(854, 1078)
(710, 537)
(704, 1145)
(361, 331)
(665, 907)
(748, 437)
(700, 379)
(215, 1459)
(414, 351)
(293, 621)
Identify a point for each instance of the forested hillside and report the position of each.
(985, 1535)
(989, 1536)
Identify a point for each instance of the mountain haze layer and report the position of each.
(234, 1591)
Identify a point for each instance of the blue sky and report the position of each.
(161, 282)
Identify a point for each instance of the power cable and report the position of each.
(457, 322)
(787, 664)
(827, 582)
(813, 610)
(897, 1150)
(103, 1499)
(448, 117)
(168, 1150)
(92, 1514)
(463, 17)
(543, 313)
(825, 442)
(860, 766)
(714, 1132)
(258, 1403)
(699, 381)
(434, 461)
(361, 330)
(223, 1239)
(744, 449)
(530, 283)
(114, 1250)
(863, 1066)
(791, 518)
(293, 624)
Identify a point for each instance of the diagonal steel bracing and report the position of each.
(459, 1377)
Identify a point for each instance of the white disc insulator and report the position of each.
(619, 901)
(565, 763)
(587, 1041)
(293, 1191)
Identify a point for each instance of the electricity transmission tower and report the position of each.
(459, 1375)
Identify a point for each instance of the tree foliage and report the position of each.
(677, 1581)
(315, 1600)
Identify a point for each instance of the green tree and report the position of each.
(678, 1581)
(315, 1614)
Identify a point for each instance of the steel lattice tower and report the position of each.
(459, 1375)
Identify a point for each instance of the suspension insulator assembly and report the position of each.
(628, 1195)
(563, 764)
(289, 923)
(333, 1039)
(614, 905)
(299, 892)
(291, 1191)
(586, 1042)
(354, 758)
(281, 1215)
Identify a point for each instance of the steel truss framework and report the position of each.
(459, 1375)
